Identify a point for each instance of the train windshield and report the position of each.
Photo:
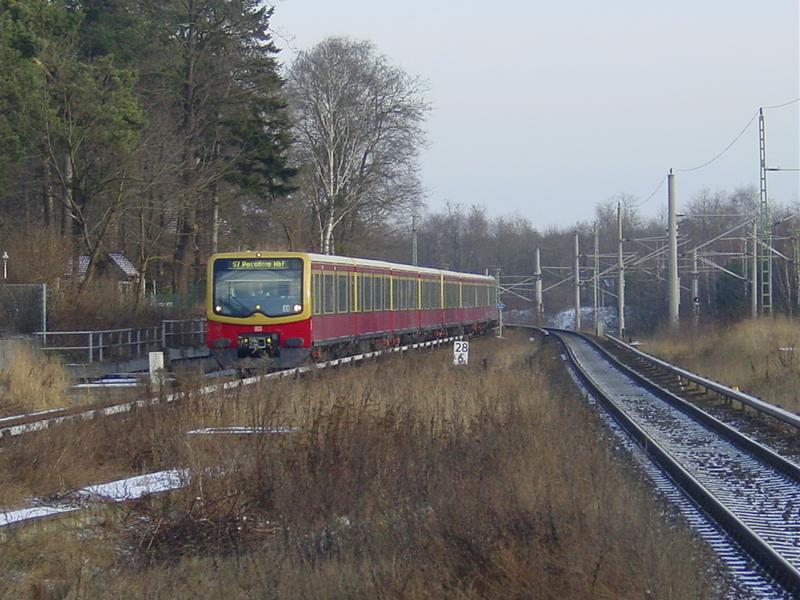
(246, 286)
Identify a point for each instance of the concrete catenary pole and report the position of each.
(754, 273)
(414, 259)
(577, 282)
(796, 250)
(498, 302)
(538, 282)
(596, 280)
(620, 276)
(695, 291)
(674, 282)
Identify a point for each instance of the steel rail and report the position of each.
(769, 559)
(764, 407)
(28, 423)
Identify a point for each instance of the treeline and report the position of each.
(468, 239)
(169, 129)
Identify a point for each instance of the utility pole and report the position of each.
(621, 276)
(577, 283)
(695, 291)
(754, 274)
(414, 239)
(766, 227)
(538, 284)
(596, 280)
(674, 282)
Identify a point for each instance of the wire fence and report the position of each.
(23, 308)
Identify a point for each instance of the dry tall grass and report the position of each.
(32, 381)
(761, 357)
(404, 478)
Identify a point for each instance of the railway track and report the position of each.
(28, 423)
(751, 492)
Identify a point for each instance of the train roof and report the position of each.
(365, 262)
(380, 264)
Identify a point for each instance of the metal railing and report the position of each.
(709, 384)
(121, 344)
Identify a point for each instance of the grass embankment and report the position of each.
(760, 357)
(31, 381)
(405, 478)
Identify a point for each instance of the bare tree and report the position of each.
(358, 132)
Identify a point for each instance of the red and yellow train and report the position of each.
(292, 305)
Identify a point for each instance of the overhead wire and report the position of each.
(724, 150)
(651, 196)
(720, 154)
(781, 105)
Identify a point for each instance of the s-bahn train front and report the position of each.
(259, 304)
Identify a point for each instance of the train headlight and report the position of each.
(258, 307)
(297, 308)
(218, 308)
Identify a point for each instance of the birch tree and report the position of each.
(358, 133)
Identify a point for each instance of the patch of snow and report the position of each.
(565, 319)
(30, 514)
(241, 430)
(132, 488)
(121, 490)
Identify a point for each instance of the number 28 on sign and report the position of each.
(461, 353)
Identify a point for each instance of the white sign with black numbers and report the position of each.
(461, 353)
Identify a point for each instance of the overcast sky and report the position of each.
(544, 109)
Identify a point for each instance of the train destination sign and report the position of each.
(275, 265)
(461, 353)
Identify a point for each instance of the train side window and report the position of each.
(455, 299)
(387, 293)
(378, 284)
(317, 285)
(354, 292)
(342, 295)
(366, 285)
(329, 291)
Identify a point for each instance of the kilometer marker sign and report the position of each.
(460, 353)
